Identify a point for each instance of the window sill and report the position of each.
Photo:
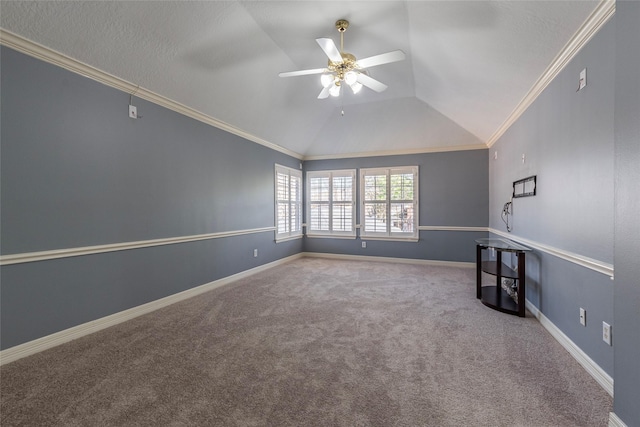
(286, 239)
(412, 239)
(332, 236)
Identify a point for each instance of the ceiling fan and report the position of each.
(344, 68)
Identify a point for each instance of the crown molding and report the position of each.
(600, 16)
(398, 152)
(36, 50)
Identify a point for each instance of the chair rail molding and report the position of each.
(590, 263)
(113, 247)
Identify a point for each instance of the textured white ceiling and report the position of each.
(468, 63)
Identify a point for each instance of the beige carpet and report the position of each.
(313, 342)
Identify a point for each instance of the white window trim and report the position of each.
(329, 233)
(295, 230)
(388, 234)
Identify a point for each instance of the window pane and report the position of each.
(319, 189)
(342, 189)
(342, 217)
(402, 217)
(295, 188)
(319, 215)
(283, 186)
(402, 186)
(288, 189)
(283, 217)
(375, 187)
(375, 217)
(295, 217)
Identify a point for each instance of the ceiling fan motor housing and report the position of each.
(340, 69)
(343, 67)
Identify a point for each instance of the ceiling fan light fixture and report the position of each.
(345, 67)
(351, 77)
(327, 80)
(356, 87)
(335, 90)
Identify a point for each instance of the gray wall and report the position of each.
(453, 190)
(626, 303)
(567, 139)
(77, 171)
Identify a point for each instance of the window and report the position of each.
(331, 203)
(389, 203)
(288, 203)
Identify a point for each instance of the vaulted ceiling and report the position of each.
(468, 63)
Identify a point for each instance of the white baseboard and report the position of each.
(615, 421)
(601, 377)
(390, 259)
(32, 347)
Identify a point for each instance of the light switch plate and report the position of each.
(583, 79)
(606, 332)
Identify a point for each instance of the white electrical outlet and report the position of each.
(133, 111)
(255, 253)
(583, 316)
(606, 332)
(364, 244)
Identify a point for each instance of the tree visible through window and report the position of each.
(389, 202)
(288, 202)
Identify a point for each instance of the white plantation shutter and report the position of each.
(288, 202)
(343, 198)
(319, 202)
(331, 203)
(389, 202)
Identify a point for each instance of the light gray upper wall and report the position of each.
(567, 139)
(77, 171)
(626, 327)
(453, 185)
(454, 191)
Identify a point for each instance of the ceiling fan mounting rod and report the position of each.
(343, 69)
(342, 25)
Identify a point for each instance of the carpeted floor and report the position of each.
(314, 342)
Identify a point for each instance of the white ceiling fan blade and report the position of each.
(303, 72)
(324, 94)
(329, 47)
(383, 58)
(371, 83)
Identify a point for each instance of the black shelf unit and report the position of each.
(493, 295)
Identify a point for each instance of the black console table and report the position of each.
(495, 296)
